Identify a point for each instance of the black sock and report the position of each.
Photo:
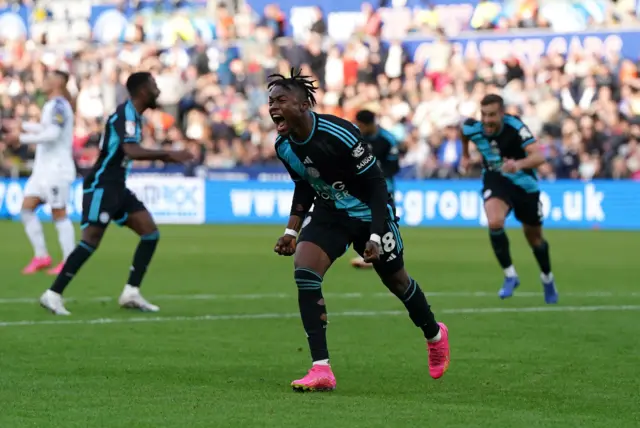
(419, 310)
(542, 256)
(313, 312)
(72, 265)
(500, 244)
(142, 257)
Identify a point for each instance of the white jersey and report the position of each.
(54, 139)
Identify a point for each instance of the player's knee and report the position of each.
(534, 236)
(59, 214)
(151, 236)
(307, 279)
(398, 282)
(92, 236)
(30, 204)
(495, 223)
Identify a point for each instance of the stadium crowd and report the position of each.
(584, 109)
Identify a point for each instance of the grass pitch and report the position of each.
(228, 339)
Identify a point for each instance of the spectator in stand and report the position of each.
(583, 107)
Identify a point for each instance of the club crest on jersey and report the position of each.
(525, 134)
(313, 172)
(358, 151)
(495, 149)
(130, 128)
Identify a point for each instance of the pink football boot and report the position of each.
(56, 270)
(319, 378)
(37, 264)
(439, 353)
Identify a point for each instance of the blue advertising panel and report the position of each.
(431, 203)
(530, 46)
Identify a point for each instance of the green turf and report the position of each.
(509, 369)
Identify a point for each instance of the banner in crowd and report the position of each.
(530, 46)
(180, 200)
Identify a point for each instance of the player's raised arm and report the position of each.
(136, 152)
(534, 158)
(32, 127)
(130, 134)
(53, 121)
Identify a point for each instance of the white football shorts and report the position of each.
(52, 191)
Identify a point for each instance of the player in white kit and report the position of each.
(53, 172)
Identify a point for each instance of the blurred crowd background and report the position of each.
(422, 66)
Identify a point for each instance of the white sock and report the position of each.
(33, 229)
(66, 236)
(546, 278)
(510, 272)
(321, 363)
(435, 338)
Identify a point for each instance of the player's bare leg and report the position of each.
(141, 222)
(33, 228)
(409, 292)
(52, 298)
(497, 210)
(311, 263)
(540, 249)
(66, 236)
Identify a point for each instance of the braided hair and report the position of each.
(296, 81)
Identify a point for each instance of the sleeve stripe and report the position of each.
(389, 137)
(349, 139)
(129, 114)
(528, 142)
(337, 135)
(470, 130)
(373, 162)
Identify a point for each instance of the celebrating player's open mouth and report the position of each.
(281, 123)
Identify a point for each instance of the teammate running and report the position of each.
(106, 197)
(334, 169)
(510, 156)
(385, 148)
(53, 172)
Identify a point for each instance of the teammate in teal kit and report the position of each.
(510, 156)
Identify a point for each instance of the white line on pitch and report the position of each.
(259, 296)
(227, 317)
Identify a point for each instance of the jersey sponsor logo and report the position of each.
(313, 172)
(130, 128)
(358, 151)
(525, 134)
(487, 194)
(364, 162)
(307, 161)
(394, 150)
(335, 192)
